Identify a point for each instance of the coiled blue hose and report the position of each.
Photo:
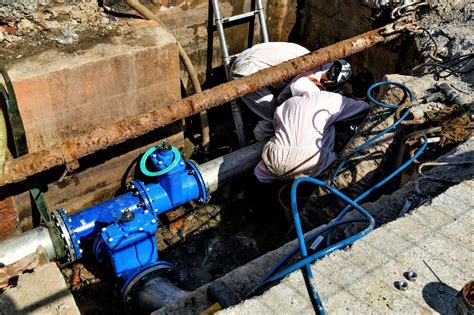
(382, 133)
(306, 260)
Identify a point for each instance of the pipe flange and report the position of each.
(203, 193)
(130, 288)
(142, 192)
(58, 218)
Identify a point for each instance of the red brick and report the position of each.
(8, 220)
(6, 202)
(8, 216)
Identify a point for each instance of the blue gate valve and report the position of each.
(121, 231)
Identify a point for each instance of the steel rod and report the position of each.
(69, 150)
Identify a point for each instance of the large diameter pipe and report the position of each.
(18, 247)
(70, 150)
(220, 171)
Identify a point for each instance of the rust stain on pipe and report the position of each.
(71, 149)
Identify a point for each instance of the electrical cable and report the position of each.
(451, 66)
(306, 259)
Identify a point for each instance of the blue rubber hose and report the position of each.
(381, 183)
(386, 130)
(306, 259)
(294, 251)
(338, 221)
(146, 155)
(405, 89)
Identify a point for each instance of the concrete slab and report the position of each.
(435, 241)
(42, 291)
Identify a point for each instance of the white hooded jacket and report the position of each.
(304, 133)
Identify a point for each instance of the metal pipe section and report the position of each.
(18, 247)
(156, 293)
(220, 171)
(263, 24)
(69, 150)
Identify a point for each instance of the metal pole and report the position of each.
(69, 150)
(222, 40)
(263, 23)
(236, 112)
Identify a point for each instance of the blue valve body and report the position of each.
(130, 245)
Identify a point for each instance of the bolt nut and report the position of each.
(127, 216)
(111, 239)
(191, 172)
(401, 285)
(153, 221)
(200, 200)
(140, 229)
(104, 229)
(411, 275)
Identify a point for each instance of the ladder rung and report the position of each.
(240, 16)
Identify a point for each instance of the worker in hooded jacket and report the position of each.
(303, 143)
(264, 102)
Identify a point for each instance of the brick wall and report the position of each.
(8, 217)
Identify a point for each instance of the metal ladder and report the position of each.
(221, 24)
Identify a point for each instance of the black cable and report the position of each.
(435, 50)
(451, 66)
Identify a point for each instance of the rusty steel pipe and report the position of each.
(69, 150)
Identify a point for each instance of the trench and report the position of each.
(253, 219)
(246, 219)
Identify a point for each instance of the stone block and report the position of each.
(63, 93)
(42, 291)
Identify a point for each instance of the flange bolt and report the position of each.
(127, 216)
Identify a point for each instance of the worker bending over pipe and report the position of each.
(303, 144)
(263, 102)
